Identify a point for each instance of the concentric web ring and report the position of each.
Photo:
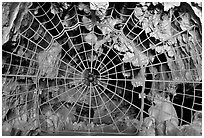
(75, 74)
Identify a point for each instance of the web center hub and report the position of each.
(91, 76)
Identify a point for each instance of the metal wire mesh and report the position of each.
(60, 77)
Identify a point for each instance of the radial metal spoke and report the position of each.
(110, 48)
(97, 108)
(109, 112)
(76, 52)
(90, 92)
(80, 113)
(85, 52)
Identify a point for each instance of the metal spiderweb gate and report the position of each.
(117, 69)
